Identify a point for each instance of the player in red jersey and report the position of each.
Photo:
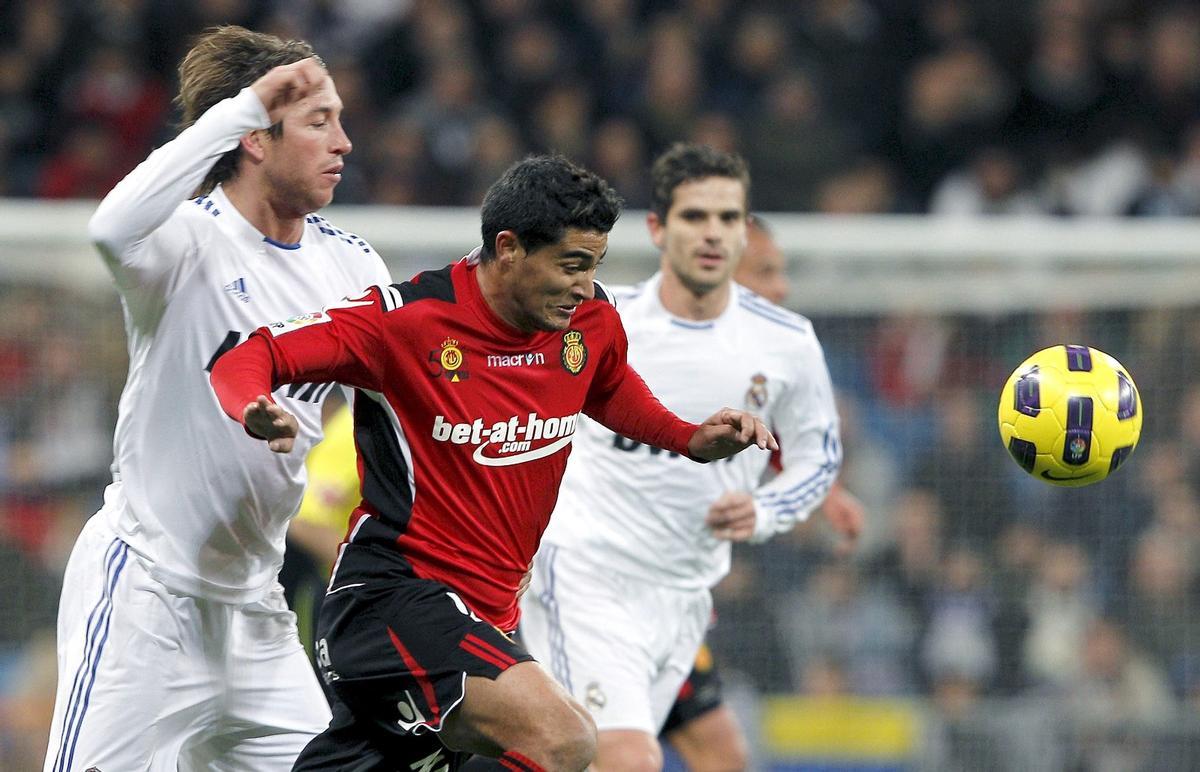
(469, 382)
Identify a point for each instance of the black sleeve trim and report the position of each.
(428, 285)
(603, 293)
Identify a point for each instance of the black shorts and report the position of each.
(700, 693)
(396, 654)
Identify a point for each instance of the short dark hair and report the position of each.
(684, 162)
(541, 196)
(223, 61)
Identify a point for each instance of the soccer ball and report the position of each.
(1070, 415)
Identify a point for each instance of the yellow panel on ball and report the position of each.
(1070, 415)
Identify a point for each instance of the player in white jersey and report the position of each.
(175, 648)
(620, 601)
(701, 727)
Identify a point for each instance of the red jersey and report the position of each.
(463, 424)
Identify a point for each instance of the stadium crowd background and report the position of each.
(973, 583)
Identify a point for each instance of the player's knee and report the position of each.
(738, 759)
(628, 752)
(570, 739)
(732, 757)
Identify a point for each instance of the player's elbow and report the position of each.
(103, 232)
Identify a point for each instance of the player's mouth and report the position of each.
(710, 259)
(566, 310)
(333, 173)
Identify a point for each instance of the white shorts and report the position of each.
(621, 646)
(149, 680)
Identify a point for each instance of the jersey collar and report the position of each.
(237, 225)
(654, 285)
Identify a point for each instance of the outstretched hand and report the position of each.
(287, 84)
(272, 423)
(727, 432)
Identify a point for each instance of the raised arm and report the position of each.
(146, 197)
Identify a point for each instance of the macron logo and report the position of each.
(506, 443)
(237, 288)
(516, 360)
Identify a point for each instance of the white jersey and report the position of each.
(639, 510)
(205, 506)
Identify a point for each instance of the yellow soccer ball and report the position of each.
(1070, 415)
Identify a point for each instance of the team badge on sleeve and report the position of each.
(296, 322)
(316, 317)
(574, 353)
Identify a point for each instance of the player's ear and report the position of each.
(252, 144)
(508, 247)
(656, 226)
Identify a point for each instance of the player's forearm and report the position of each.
(241, 374)
(632, 411)
(308, 352)
(809, 473)
(148, 195)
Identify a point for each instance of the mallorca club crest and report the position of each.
(756, 395)
(574, 353)
(448, 362)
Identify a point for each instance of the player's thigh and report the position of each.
(133, 687)
(399, 657)
(350, 745)
(274, 704)
(524, 709)
(593, 637)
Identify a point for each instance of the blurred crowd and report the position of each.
(974, 581)
(947, 106)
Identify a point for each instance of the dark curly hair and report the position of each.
(540, 197)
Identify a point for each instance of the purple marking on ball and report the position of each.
(1078, 446)
(1024, 453)
(1126, 398)
(1118, 457)
(1079, 359)
(1027, 396)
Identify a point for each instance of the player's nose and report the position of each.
(341, 141)
(584, 287)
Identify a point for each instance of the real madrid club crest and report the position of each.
(574, 353)
(756, 395)
(448, 362)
